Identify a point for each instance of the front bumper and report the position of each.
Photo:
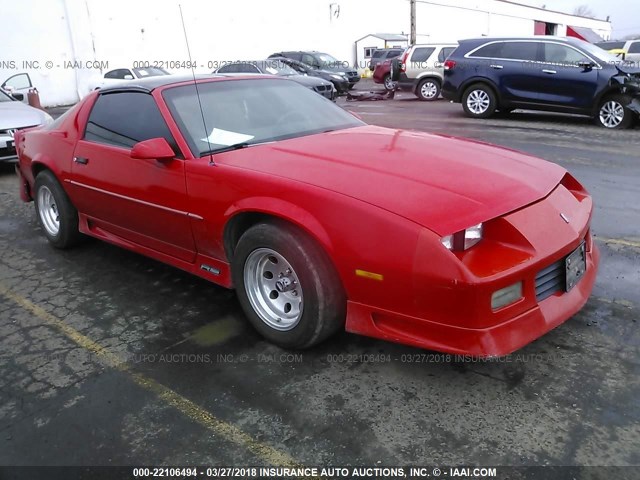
(494, 341)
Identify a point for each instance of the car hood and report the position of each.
(308, 81)
(19, 115)
(443, 183)
(630, 69)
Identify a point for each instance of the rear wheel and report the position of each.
(388, 83)
(287, 286)
(428, 90)
(57, 216)
(613, 112)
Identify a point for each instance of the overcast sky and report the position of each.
(625, 14)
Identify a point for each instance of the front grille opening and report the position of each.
(551, 280)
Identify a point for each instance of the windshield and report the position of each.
(5, 97)
(251, 111)
(277, 67)
(610, 45)
(327, 60)
(599, 53)
(150, 72)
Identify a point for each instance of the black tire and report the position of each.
(428, 90)
(485, 92)
(606, 119)
(324, 307)
(67, 234)
(388, 83)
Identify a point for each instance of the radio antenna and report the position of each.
(195, 83)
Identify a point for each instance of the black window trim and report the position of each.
(469, 55)
(179, 155)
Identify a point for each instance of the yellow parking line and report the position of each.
(619, 241)
(189, 409)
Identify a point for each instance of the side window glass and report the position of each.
(20, 81)
(561, 54)
(225, 69)
(422, 54)
(143, 120)
(527, 51)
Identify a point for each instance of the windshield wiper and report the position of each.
(228, 148)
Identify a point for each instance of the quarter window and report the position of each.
(422, 54)
(493, 50)
(123, 119)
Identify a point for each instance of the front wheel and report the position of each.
(479, 101)
(287, 286)
(57, 216)
(613, 112)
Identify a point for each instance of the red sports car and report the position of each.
(319, 221)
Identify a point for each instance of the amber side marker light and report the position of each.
(369, 275)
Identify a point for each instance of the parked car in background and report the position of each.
(258, 184)
(382, 74)
(556, 74)
(340, 82)
(118, 75)
(631, 48)
(277, 67)
(323, 61)
(18, 86)
(422, 69)
(381, 54)
(15, 116)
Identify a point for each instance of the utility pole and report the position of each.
(412, 39)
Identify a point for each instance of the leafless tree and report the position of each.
(584, 11)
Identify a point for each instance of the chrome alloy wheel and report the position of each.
(48, 211)
(388, 83)
(428, 90)
(611, 114)
(478, 102)
(273, 289)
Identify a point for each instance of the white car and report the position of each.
(15, 115)
(118, 75)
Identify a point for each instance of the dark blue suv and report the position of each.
(556, 74)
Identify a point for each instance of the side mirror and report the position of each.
(128, 77)
(586, 65)
(18, 96)
(153, 149)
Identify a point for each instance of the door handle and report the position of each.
(497, 67)
(81, 160)
(550, 72)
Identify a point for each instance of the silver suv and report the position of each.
(422, 69)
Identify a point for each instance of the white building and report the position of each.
(64, 44)
(366, 45)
